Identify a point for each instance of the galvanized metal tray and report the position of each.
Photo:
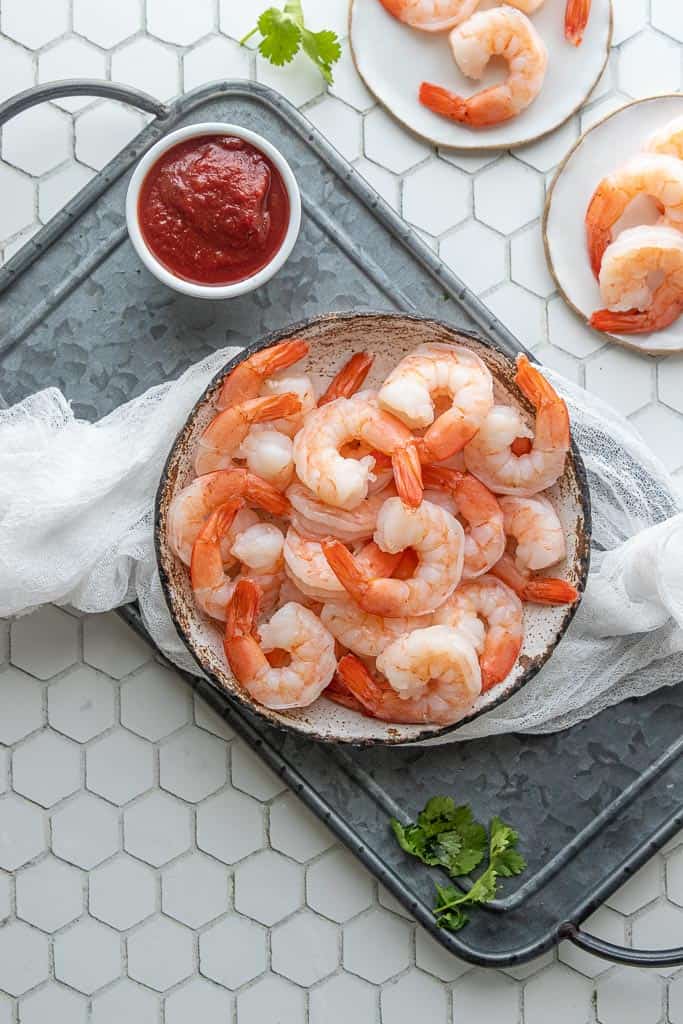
(77, 310)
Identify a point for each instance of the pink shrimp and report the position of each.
(576, 15)
(245, 380)
(535, 589)
(349, 379)
(227, 431)
(481, 512)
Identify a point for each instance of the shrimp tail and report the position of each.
(408, 474)
(381, 563)
(548, 590)
(281, 356)
(598, 235)
(552, 419)
(349, 379)
(272, 407)
(576, 17)
(443, 101)
(497, 660)
(359, 683)
(346, 568)
(338, 692)
(536, 589)
(265, 495)
(634, 321)
(242, 610)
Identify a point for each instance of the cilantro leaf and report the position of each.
(324, 50)
(283, 34)
(281, 37)
(448, 836)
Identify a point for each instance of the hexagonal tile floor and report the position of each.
(150, 867)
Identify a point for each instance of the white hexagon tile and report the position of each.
(130, 894)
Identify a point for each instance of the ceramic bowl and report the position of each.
(213, 291)
(388, 337)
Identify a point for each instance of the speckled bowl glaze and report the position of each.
(389, 337)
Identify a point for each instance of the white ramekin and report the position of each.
(213, 291)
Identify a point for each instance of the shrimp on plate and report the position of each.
(535, 526)
(436, 538)
(433, 372)
(490, 455)
(314, 519)
(292, 629)
(349, 379)
(436, 664)
(363, 633)
(654, 174)
(667, 140)
(641, 281)
(226, 431)
(299, 384)
(343, 482)
(308, 568)
(440, 15)
(246, 379)
(576, 15)
(498, 32)
(482, 514)
(269, 454)
(489, 601)
(534, 589)
(193, 505)
(259, 548)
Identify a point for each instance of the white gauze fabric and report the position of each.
(76, 528)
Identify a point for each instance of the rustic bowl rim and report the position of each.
(272, 338)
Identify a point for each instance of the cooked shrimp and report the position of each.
(192, 506)
(314, 519)
(490, 456)
(487, 599)
(535, 589)
(482, 515)
(438, 541)
(641, 281)
(300, 385)
(439, 371)
(290, 592)
(436, 662)
(229, 428)
(363, 633)
(349, 379)
(498, 32)
(245, 380)
(535, 526)
(344, 482)
(650, 174)
(667, 140)
(440, 15)
(259, 548)
(307, 566)
(293, 629)
(269, 454)
(576, 15)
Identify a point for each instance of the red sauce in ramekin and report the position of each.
(213, 209)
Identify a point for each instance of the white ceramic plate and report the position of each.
(393, 59)
(388, 337)
(599, 152)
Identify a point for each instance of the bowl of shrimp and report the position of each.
(373, 527)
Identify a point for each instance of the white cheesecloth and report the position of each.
(76, 528)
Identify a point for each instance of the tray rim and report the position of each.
(25, 257)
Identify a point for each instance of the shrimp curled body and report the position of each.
(653, 174)
(438, 541)
(535, 525)
(630, 264)
(293, 629)
(343, 482)
(498, 32)
(433, 371)
(365, 634)
(490, 455)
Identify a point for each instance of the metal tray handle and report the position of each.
(621, 954)
(81, 87)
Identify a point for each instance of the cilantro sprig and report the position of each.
(284, 34)
(447, 836)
